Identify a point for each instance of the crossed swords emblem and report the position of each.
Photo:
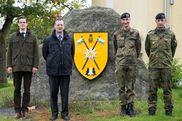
(90, 50)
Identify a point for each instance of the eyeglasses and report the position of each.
(22, 22)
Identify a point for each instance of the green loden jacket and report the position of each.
(23, 52)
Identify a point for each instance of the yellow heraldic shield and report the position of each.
(91, 53)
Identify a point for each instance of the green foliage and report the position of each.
(4, 85)
(7, 118)
(76, 4)
(41, 15)
(41, 27)
(81, 107)
(6, 95)
(176, 72)
(91, 106)
(9, 8)
(39, 102)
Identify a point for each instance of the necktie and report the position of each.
(23, 34)
(60, 38)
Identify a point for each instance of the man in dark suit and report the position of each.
(58, 51)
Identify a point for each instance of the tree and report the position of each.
(35, 10)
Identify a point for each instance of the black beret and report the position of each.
(160, 16)
(125, 15)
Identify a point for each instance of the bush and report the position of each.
(176, 73)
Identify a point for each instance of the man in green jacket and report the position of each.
(127, 46)
(160, 46)
(22, 61)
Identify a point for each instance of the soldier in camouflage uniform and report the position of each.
(160, 46)
(127, 46)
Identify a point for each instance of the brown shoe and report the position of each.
(18, 115)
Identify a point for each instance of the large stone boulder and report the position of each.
(104, 87)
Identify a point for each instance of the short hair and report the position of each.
(22, 17)
(58, 20)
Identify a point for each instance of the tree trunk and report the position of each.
(3, 32)
(3, 76)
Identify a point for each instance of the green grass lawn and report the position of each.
(6, 94)
(105, 110)
(141, 107)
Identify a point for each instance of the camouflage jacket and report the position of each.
(127, 46)
(160, 46)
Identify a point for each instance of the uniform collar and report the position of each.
(163, 30)
(160, 29)
(130, 30)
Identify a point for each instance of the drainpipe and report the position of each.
(166, 8)
(166, 11)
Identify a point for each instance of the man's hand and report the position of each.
(34, 70)
(9, 70)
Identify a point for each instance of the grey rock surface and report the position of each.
(104, 87)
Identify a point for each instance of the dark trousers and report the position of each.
(17, 81)
(55, 83)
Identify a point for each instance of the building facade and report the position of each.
(143, 14)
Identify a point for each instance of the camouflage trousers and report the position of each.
(125, 76)
(160, 78)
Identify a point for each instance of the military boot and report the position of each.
(151, 111)
(123, 110)
(130, 110)
(168, 112)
